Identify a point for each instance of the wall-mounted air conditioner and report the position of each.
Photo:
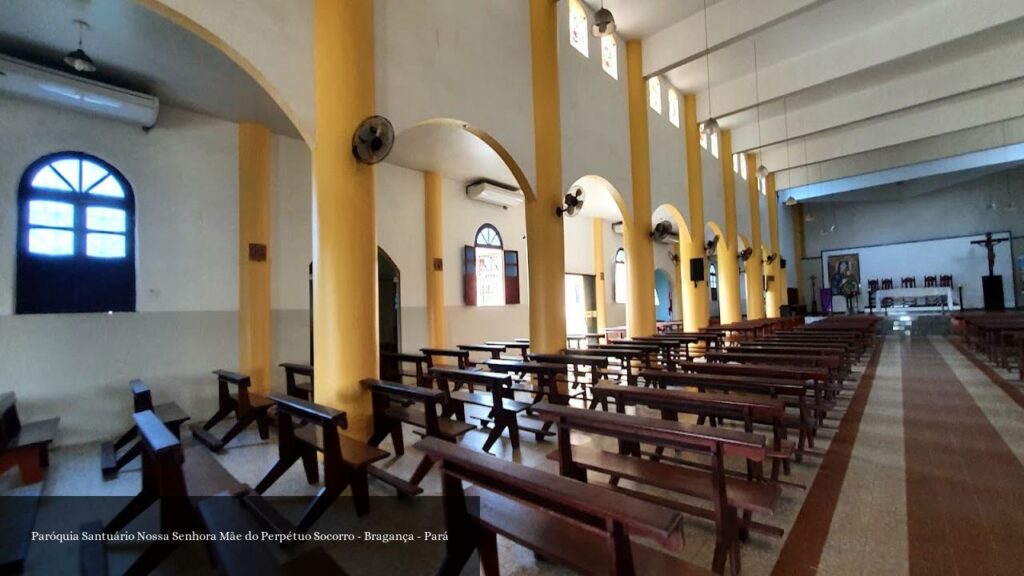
(24, 80)
(494, 193)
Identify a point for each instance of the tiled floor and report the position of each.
(926, 476)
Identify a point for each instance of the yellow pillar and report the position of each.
(544, 231)
(798, 249)
(344, 221)
(599, 281)
(254, 254)
(773, 298)
(728, 265)
(640, 313)
(433, 226)
(755, 273)
(696, 310)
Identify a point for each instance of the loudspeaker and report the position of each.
(782, 263)
(992, 287)
(696, 269)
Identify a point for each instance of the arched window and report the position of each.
(76, 237)
(491, 273)
(620, 277)
(713, 281)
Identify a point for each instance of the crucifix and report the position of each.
(990, 243)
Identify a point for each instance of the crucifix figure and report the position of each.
(990, 244)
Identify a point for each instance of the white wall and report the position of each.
(668, 158)
(184, 175)
(579, 245)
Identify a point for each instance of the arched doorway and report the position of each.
(389, 314)
(663, 295)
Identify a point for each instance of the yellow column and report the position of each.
(798, 249)
(344, 223)
(599, 281)
(254, 254)
(696, 311)
(773, 298)
(728, 265)
(640, 313)
(544, 234)
(755, 282)
(433, 226)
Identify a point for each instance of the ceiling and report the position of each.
(905, 189)
(450, 151)
(827, 89)
(137, 49)
(635, 19)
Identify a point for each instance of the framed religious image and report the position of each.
(844, 274)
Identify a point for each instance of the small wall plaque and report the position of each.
(438, 264)
(257, 252)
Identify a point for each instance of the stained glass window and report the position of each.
(578, 27)
(610, 55)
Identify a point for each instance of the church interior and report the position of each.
(590, 287)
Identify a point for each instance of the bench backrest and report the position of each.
(458, 376)
(142, 400)
(392, 367)
(383, 392)
(766, 370)
(591, 505)
(10, 424)
(311, 412)
(753, 384)
(162, 457)
(594, 362)
(461, 356)
(742, 405)
(225, 380)
(292, 371)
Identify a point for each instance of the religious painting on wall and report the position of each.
(844, 274)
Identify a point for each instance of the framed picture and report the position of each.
(844, 273)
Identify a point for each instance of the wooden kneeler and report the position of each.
(169, 413)
(346, 461)
(248, 408)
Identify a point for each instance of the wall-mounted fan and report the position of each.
(664, 232)
(745, 254)
(373, 140)
(711, 245)
(771, 258)
(572, 203)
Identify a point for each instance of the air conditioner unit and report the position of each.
(24, 80)
(494, 193)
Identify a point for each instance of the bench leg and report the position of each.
(321, 502)
(397, 441)
(495, 433)
(241, 424)
(361, 491)
(216, 418)
(311, 466)
(488, 548)
(421, 470)
(137, 506)
(275, 472)
(128, 456)
(263, 424)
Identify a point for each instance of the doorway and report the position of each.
(580, 304)
(389, 290)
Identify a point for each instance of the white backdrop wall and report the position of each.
(184, 175)
(957, 256)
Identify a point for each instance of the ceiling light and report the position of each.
(77, 58)
(790, 201)
(762, 172)
(710, 126)
(604, 22)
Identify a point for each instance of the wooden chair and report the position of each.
(172, 478)
(727, 496)
(389, 413)
(26, 446)
(503, 411)
(908, 282)
(583, 527)
(887, 284)
(248, 408)
(346, 461)
(946, 280)
(169, 413)
(298, 379)
(931, 281)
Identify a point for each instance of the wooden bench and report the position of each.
(169, 413)
(396, 367)
(582, 370)
(25, 445)
(346, 461)
(243, 557)
(727, 496)
(503, 410)
(493, 352)
(625, 356)
(294, 385)
(746, 408)
(522, 347)
(389, 413)
(434, 354)
(248, 408)
(832, 364)
(583, 527)
(793, 394)
(172, 478)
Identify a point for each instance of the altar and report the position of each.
(902, 295)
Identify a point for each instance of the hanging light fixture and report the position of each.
(762, 170)
(604, 22)
(77, 58)
(710, 126)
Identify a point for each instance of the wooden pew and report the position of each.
(747, 408)
(503, 410)
(294, 385)
(244, 557)
(493, 351)
(389, 414)
(585, 370)
(794, 394)
(172, 478)
(831, 363)
(727, 496)
(248, 408)
(169, 413)
(346, 461)
(522, 347)
(434, 354)
(397, 367)
(25, 445)
(625, 356)
(583, 527)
